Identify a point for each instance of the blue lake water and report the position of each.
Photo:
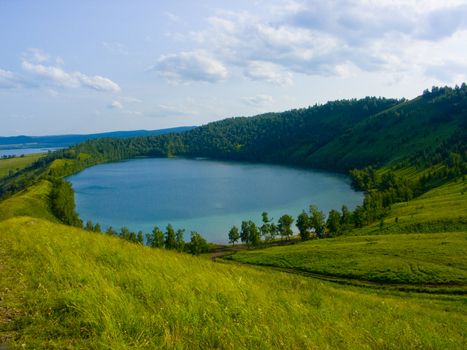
(25, 151)
(202, 195)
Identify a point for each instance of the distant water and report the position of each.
(20, 151)
(202, 195)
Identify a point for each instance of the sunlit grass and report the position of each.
(402, 258)
(62, 287)
(14, 164)
(34, 201)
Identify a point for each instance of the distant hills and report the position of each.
(337, 136)
(72, 139)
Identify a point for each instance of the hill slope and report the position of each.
(62, 287)
(68, 140)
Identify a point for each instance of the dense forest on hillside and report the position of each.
(337, 136)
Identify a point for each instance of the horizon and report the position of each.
(88, 68)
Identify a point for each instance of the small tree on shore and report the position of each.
(285, 223)
(234, 235)
(197, 244)
(303, 225)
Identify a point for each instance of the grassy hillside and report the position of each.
(410, 259)
(11, 165)
(62, 287)
(34, 202)
(443, 208)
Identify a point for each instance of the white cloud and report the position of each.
(267, 71)
(36, 55)
(116, 105)
(331, 38)
(10, 80)
(258, 100)
(191, 66)
(62, 78)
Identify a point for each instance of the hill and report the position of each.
(62, 287)
(69, 140)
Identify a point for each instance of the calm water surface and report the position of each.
(20, 151)
(202, 195)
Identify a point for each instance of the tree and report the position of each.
(97, 228)
(110, 231)
(140, 237)
(250, 233)
(170, 240)
(317, 220)
(346, 216)
(89, 226)
(197, 244)
(285, 223)
(303, 224)
(358, 216)
(255, 238)
(155, 239)
(125, 233)
(334, 222)
(267, 227)
(180, 240)
(132, 237)
(234, 235)
(245, 233)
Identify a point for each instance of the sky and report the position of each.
(93, 66)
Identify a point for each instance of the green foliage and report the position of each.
(198, 244)
(333, 222)
(303, 225)
(317, 220)
(170, 241)
(250, 234)
(155, 239)
(180, 241)
(234, 235)
(285, 225)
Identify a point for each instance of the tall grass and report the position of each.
(403, 258)
(62, 287)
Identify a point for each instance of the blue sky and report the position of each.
(92, 66)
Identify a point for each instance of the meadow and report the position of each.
(62, 287)
(11, 165)
(434, 259)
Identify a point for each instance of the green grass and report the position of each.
(443, 208)
(418, 259)
(17, 163)
(34, 202)
(62, 287)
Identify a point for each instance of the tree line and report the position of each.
(311, 224)
(171, 239)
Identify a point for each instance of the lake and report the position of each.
(202, 195)
(19, 151)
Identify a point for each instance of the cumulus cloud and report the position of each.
(10, 80)
(267, 71)
(324, 38)
(191, 66)
(61, 78)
